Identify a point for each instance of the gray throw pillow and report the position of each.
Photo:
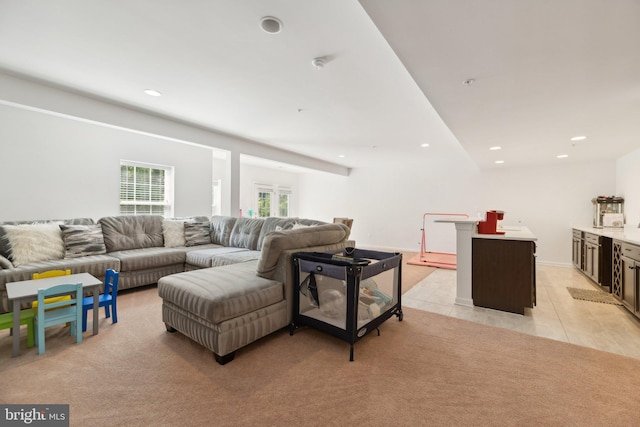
(196, 233)
(82, 240)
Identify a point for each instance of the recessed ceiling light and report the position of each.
(271, 24)
(152, 92)
(468, 82)
(499, 162)
(341, 155)
(562, 156)
(424, 145)
(495, 148)
(578, 138)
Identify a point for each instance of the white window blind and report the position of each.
(146, 189)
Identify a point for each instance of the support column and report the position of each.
(465, 229)
(231, 186)
(464, 234)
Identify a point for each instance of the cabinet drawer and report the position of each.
(630, 251)
(577, 234)
(592, 238)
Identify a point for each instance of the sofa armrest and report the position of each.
(5, 263)
(276, 242)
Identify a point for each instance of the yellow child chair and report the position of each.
(46, 274)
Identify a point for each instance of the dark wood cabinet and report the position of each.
(592, 257)
(626, 275)
(592, 254)
(578, 244)
(503, 274)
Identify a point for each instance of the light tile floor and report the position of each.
(557, 315)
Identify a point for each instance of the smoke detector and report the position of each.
(271, 24)
(318, 63)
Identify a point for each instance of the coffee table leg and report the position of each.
(96, 292)
(16, 327)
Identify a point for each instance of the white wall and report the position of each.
(549, 200)
(55, 167)
(628, 186)
(387, 205)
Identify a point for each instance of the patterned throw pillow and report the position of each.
(34, 242)
(173, 233)
(196, 233)
(82, 240)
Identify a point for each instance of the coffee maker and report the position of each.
(490, 224)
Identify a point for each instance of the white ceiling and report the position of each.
(544, 71)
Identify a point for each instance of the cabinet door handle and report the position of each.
(631, 267)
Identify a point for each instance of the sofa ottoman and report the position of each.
(223, 308)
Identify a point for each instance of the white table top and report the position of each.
(29, 288)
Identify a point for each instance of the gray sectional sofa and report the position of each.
(228, 307)
(144, 249)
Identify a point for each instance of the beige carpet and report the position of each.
(426, 370)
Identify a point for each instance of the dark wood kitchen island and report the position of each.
(503, 270)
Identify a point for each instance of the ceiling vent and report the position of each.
(271, 25)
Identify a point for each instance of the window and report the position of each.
(146, 189)
(273, 200)
(284, 202)
(266, 194)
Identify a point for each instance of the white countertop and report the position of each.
(629, 234)
(510, 233)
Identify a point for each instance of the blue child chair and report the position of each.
(57, 312)
(106, 299)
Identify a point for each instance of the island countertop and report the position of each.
(510, 233)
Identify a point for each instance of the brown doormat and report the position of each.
(593, 295)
